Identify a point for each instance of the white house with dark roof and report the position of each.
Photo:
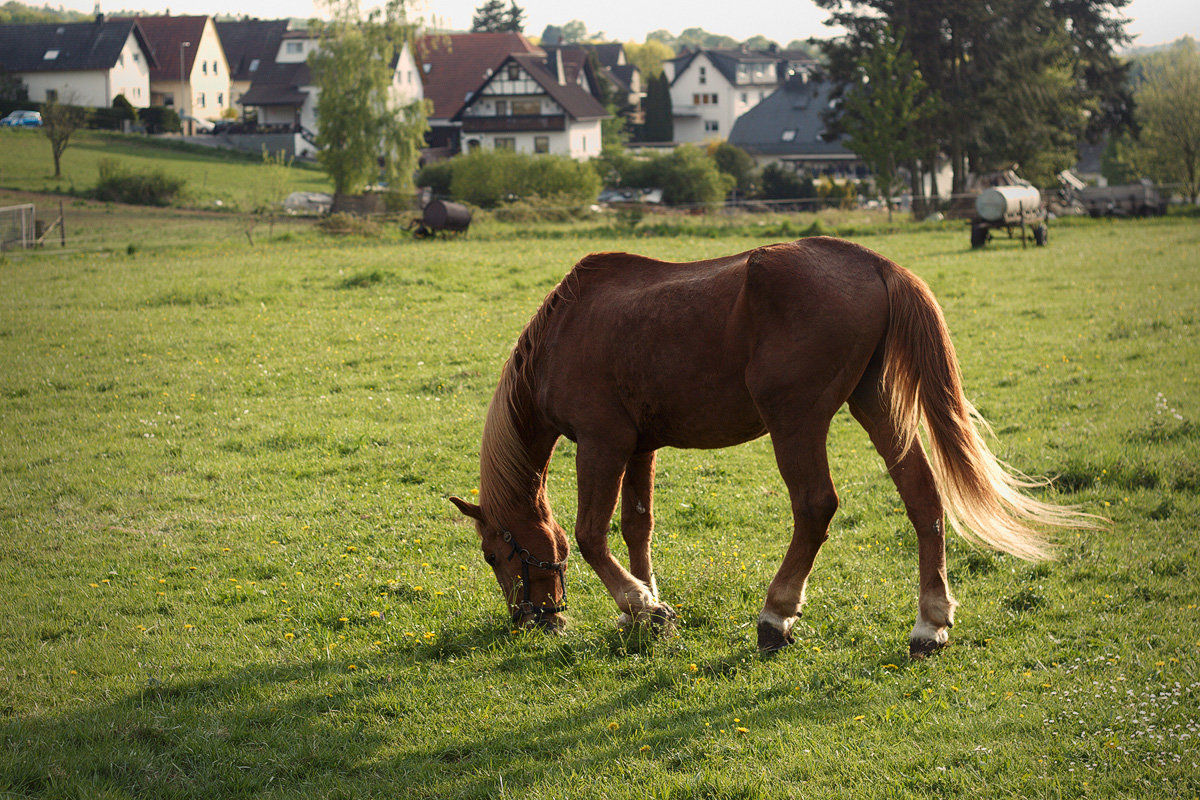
(711, 89)
(80, 63)
(788, 128)
(528, 104)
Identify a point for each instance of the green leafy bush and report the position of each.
(120, 185)
(488, 178)
(687, 175)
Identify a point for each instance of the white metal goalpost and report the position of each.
(17, 226)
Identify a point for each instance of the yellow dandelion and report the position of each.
(72, 672)
(94, 585)
(859, 718)
(162, 580)
(376, 614)
(693, 668)
(474, 491)
(343, 619)
(644, 748)
(289, 636)
(351, 667)
(418, 588)
(224, 549)
(743, 730)
(612, 726)
(188, 627)
(430, 634)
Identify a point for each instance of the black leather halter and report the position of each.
(526, 605)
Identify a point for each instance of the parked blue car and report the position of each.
(22, 119)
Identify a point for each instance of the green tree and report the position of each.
(884, 109)
(1012, 78)
(736, 163)
(648, 57)
(59, 123)
(1168, 112)
(360, 126)
(660, 123)
(494, 17)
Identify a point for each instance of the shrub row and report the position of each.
(148, 189)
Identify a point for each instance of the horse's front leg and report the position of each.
(637, 516)
(599, 469)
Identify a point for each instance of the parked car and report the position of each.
(22, 119)
(198, 125)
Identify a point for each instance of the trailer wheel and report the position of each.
(1040, 234)
(979, 235)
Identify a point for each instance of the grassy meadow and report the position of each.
(229, 567)
(215, 178)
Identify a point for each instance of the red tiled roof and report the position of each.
(458, 64)
(165, 35)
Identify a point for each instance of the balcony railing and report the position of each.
(540, 122)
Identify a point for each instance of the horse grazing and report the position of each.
(629, 354)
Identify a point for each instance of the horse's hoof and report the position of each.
(920, 648)
(771, 639)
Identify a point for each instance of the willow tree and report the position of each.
(361, 121)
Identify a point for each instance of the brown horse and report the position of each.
(629, 354)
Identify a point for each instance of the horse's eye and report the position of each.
(490, 558)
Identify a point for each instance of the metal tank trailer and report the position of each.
(1009, 207)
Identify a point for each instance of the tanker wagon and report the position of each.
(1008, 207)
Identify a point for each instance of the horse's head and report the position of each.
(530, 564)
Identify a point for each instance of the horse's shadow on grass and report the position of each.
(316, 729)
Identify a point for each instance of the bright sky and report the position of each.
(1152, 21)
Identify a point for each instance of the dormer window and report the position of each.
(50, 55)
(514, 72)
(254, 65)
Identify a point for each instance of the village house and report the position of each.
(711, 89)
(529, 105)
(192, 74)
(787, 128)
(250, 46)
(452, 67)
(80, 63)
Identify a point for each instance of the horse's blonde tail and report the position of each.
(983, 497)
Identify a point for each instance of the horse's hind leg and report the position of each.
(800, 454)
(913, 478)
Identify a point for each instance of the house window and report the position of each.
(715, 98)
(745, 97)
(472, 145)
(50, 55)
(501, 108)
(541, 144)
(120, 59)
(294, 48)
(220, 98)
(204, 67)
(52, 95)
(254, 65)
(789, 135)
(169, 100)
(200, 100)
(711, 126)
(214, 68)
(505, 143)
(703, 75)
(514, 72)
(526, 108)
(137, 57)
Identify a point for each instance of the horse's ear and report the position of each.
(470, 509)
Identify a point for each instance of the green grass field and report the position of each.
(230, 569)
(215, 179)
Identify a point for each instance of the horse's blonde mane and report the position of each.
(508, 479)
